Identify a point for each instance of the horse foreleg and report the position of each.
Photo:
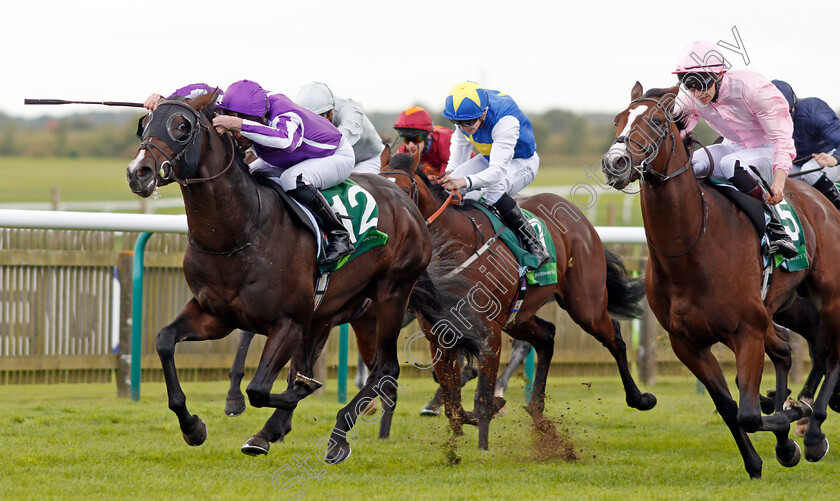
(485, 404)
(468, 373)
(235, 402)
(446, 367)
(702, 363)
(282, 342)
(193, 324)
(816, 444)
(364, 328)
(777, 347)
(382, 382)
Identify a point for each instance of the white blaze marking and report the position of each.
(631, 119)
(132, 167)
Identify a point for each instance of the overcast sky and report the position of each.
(582, 55)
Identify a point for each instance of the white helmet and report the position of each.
(316, 97)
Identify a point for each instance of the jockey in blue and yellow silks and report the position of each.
(508, 160)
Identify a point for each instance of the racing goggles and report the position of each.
(465, 123)
(698, 81)
(416, 138)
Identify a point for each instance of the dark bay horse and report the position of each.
(251, 265)
(704, 275)
(591, 286)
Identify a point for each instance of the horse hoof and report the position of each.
(255, 446)
(337, 454)
(469, 418)
(801, 405)
(430, 410)
(817, 452)
(501, 412)
(787, 456)
(198, 435)
(647, 402)
(234, 407)
(767, 404)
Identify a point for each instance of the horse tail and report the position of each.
(436, 296)
(625, 293)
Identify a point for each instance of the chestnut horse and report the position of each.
(704, 275)
(591, 285)
(251, 265)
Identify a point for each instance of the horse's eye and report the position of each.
(657, 122)
(182, 130)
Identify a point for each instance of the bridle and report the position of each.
(648, 174)
(187, 151)
(414, 195)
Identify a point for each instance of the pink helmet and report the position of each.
(246, 98)
(701, 57)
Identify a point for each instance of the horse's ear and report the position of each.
(385, 156)
(415, 159)
(637, 91)
(203, 101)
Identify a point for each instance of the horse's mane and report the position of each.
(405, 162)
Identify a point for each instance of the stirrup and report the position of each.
(337, 247)
(539, 252)
(782, 246)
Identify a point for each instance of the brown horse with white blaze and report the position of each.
(591, 285)
(704, 275)
(251, 265)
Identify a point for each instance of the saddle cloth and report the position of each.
(547, 273)
(347, 199)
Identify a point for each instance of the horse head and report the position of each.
(174, 138)
(645, 138)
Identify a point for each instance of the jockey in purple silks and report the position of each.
(299, 150)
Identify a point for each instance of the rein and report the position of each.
(415, 196)
(443, 207)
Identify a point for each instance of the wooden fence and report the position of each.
(65, 316)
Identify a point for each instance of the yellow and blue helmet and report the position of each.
(466, 101)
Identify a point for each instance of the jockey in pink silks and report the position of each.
(754, 119)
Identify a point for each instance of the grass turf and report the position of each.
(74, 441)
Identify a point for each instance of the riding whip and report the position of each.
(62, 101)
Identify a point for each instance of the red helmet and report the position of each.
(415, 118)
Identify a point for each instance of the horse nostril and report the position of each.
(144, 172)
(620, 164)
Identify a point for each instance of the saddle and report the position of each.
(754, 210)
(299, 214)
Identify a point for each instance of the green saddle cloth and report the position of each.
(547, 273)
(790, 220)
(350, 199)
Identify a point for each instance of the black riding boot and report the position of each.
(827, 188)
(515, 220)
(338, 238)
(779, 239)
